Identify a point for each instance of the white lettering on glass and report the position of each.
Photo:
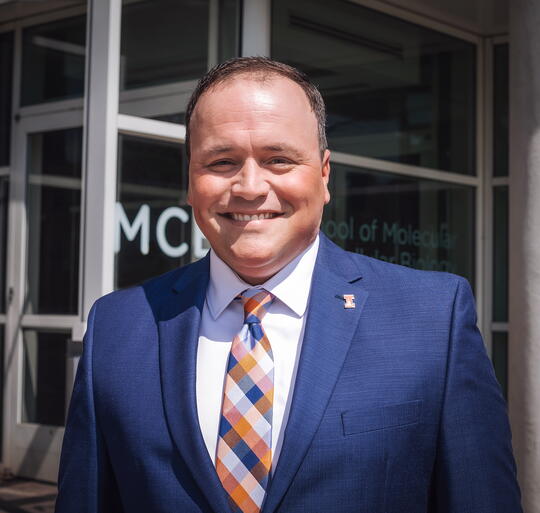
(140, 223)
(164, 218)
(198, 242)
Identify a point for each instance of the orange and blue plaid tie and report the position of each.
(244, 450)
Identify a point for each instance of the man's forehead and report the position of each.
(266, 80)
(247, 109)
(261, 78)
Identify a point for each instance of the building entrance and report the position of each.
(93, 172)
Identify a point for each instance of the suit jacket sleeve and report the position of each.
(86, 482)
(475, 470)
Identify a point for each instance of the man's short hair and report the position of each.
(261, 68)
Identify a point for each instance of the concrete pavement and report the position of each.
(23, 496)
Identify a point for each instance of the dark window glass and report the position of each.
(163, 41)
(153, 220)
(167, 43)
(229, 29)
(500, 256)
(500, 110)
(6, 69)
(53, 61)
(179, 117)
(44, 391)
(54, 209)
(393, 90)
(409, 221)
(499, 357)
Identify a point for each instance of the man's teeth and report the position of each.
(252, 217)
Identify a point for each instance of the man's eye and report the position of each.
(222, 163)
(278, 160)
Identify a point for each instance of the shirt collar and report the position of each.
(291, 285)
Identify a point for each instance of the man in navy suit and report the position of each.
(384, 400)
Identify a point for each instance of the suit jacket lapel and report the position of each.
(327, 337)
(178, 328)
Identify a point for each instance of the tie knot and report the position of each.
(256, 303)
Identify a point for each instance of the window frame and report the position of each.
(490, 183)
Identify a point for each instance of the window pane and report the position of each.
(500, 256)
(393, 90)
(500, 110)
(153, 220)
(54, 209)
(44, 392)
(165, 50)
(53, 61)
(230, 12)
(6, 68)
(409, 221)
(163, 41)
(499, 358)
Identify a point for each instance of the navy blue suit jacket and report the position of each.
(396, 408)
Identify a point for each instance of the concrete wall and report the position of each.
(524, 286)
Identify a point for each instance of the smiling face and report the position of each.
(258, 183)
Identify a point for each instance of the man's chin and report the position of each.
(254, 266)
(252, 260)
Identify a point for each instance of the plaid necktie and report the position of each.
(244, 450)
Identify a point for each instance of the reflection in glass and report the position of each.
(54, 209)
(53, 61)
(499, 357)
(229, 29)
(500, 254)
(415, 222)
(163, 41)
(500, 110)
(167, 46)
(6, 68)
(44, 385)
(153, 219)
(393, 90)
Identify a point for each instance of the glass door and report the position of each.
(46, 201)
(44, 216)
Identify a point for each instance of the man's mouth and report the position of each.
(251, 217)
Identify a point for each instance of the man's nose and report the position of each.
(250, 182)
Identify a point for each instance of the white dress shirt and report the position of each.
(222, 319)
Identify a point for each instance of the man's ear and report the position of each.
(325, 169)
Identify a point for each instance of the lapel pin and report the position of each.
(349, 301)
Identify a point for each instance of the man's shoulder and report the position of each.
(381, 273)
(150, 293)
(412, 292)
(391, 272)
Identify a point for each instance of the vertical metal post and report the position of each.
(100, 151)
(256, 28)
(15, 272)
(480, 171)
(487, 180)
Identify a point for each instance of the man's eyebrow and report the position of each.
(279, 147)
(216, 150)
(285, 148)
